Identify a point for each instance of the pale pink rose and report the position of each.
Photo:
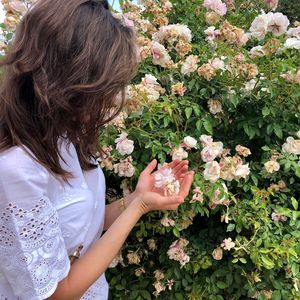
(167, 222)
(190, 65)
(206, 140)
(178, 89)
(149, 81)
(272, 166)
(160, 54)
(218, 64)
(292, 146)
(242, 171)
(179, 153)
(259, 26)
(211, 151)
(278, 23)
(272, 4)
(228, 244)
(173, 33)
(166, 180)
(163, 178)
(211, 33)
(190, 142)
(125, 168)
(212, 171)
(278, 218)
(217, 6)
(176, 252)
(294, 32)
(123, 145)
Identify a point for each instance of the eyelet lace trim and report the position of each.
(32, 251)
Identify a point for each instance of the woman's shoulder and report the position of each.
(19, 160)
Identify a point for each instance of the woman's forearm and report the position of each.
(113, 210)
(90, 266)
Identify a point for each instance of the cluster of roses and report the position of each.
(291, 146)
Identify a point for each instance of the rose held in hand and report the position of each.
(166, 180)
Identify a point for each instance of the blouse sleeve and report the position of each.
(32, 250)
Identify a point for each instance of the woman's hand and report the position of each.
(154, 199)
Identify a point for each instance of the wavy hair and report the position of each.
(68, 62)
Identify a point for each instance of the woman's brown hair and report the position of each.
(68, 62)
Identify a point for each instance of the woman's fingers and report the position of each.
(186, 184)
(180, 167)
(150, 168)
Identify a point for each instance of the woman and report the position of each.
(68, 61)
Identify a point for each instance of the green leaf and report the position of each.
(278, 130)
(294, 203)
(176, 232)
(208, 127)
(243, 260)
(266, 111)
(230, 227)
(295, 269)
(146, 295)
(188, 112)
(221, 285)
(268, 263)
(276, 295)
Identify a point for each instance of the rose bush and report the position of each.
(219, 84)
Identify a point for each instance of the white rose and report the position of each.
(292, 146)
(292, 43)
(257, 51)
(272, 166)
(212, 171)
(190, 142)
(124, 145)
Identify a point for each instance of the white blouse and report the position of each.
(43, 221)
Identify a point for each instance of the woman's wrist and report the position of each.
(136, 202)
